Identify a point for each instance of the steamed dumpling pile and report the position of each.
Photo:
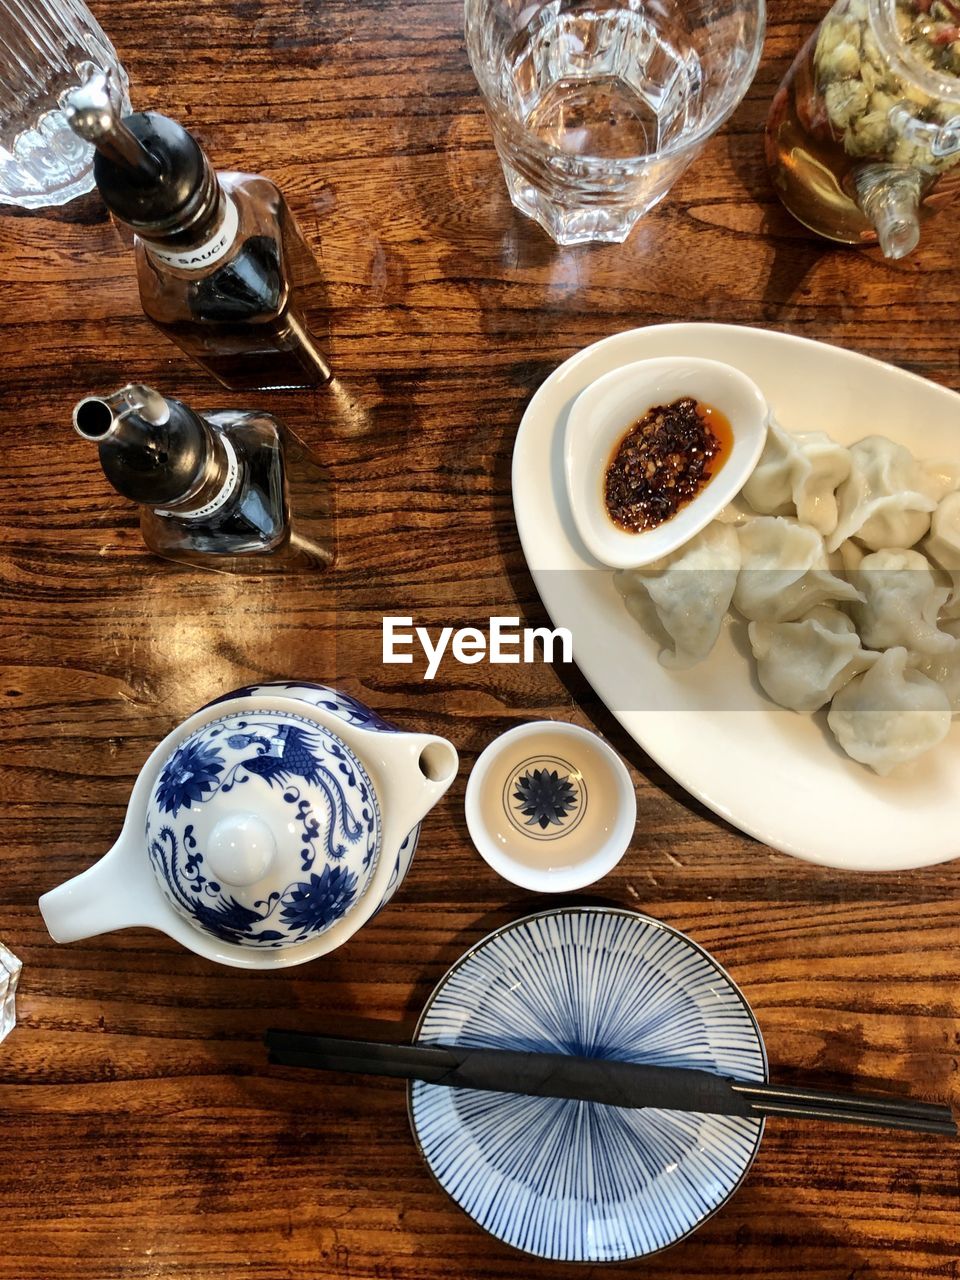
(846, 565)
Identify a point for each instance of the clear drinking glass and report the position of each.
(46, 48)
(10, 968)
(598, 107)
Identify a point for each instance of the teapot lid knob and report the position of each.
(241, 849)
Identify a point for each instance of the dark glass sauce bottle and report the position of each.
(222, 266)
(231, 490)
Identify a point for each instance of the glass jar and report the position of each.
(863, 137)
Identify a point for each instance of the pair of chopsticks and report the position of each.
(615, 1083)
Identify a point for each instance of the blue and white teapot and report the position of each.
(264, 830)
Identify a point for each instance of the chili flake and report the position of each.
(663, 462)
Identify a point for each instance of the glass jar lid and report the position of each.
(920, 40)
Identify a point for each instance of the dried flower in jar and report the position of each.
(875, 109)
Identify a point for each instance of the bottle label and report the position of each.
(223, 495)
(203, 255)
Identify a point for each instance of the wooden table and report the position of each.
(141, 1133)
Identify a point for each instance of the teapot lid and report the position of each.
(263, 828)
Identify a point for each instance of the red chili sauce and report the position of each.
(664, 461)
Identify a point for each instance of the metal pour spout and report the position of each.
(153, 450)
(98, 417)
(92, 114)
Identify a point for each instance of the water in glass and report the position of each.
(597, 108)
(640, 84)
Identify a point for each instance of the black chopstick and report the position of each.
(785, 1095)
(598, 1080)
(877, 1119)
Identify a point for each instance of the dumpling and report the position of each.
(822, 467)
(850, 555)
(799, 475)
(690, 590)
(737, 512)
(943, 669)
(943, 544)
(769, 490)
(890, 715)
(946, 475)
(784, 572)
(888, 497)
(901, 600)
(801, 665)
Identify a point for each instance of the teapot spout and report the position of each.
(416, 770)
(118, 892)
(438, 763)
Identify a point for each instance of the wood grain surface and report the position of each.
(142, 1134)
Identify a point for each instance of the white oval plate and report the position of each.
(774, 774)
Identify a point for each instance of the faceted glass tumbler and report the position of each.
(46, 48)
(9, 976)
(597, 108)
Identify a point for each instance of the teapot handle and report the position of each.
(118, 892)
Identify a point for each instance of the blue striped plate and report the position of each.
(580, 1181)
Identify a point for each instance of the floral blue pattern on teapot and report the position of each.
(264, 830)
